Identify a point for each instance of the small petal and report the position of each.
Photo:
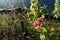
(39, 19)
(34, 24)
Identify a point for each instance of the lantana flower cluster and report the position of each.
(37, 22)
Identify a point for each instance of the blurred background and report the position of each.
(14, 23)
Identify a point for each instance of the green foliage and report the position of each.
(43, 10)
(33, 14)
(57, 9)
(34, 8)
(10, 25)
(21, 24)
(3, 22)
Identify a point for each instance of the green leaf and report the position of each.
(42, 36)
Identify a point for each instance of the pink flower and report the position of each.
(39, 19)
(37, 22)
(34, 24)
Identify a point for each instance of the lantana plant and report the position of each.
(36, 22)
(38, 25)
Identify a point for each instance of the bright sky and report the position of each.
(5, 4)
